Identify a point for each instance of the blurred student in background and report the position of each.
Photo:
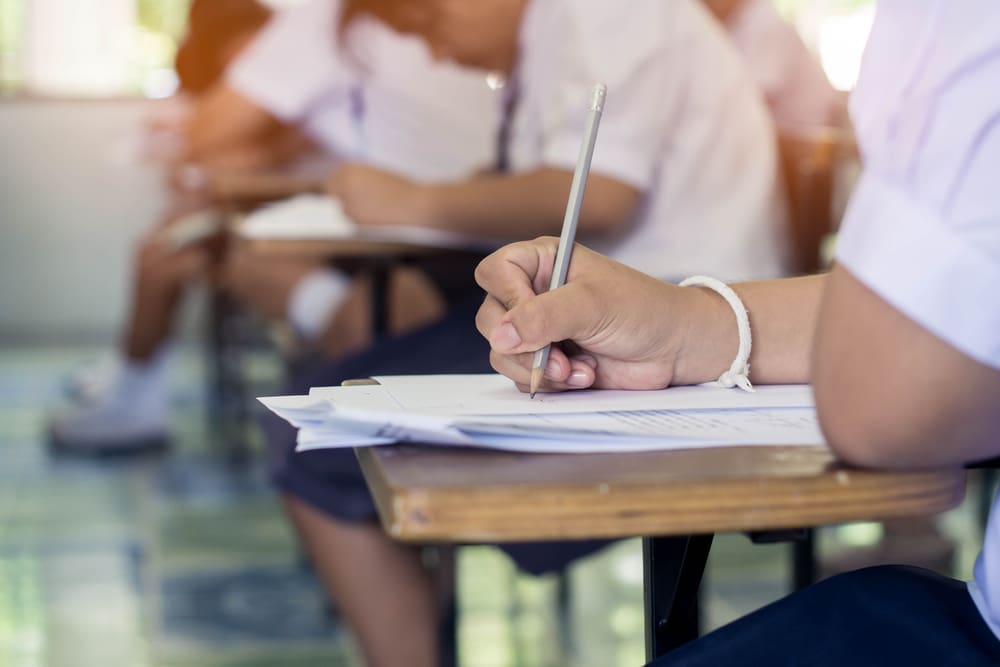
(360, 92)
(122, 403)
(684, 179)
(790, 78)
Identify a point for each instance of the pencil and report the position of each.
(568, 235)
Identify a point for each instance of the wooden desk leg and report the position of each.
(672, 570)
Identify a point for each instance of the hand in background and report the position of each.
(622, 329)
(373, 196)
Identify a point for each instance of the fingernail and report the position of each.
(506, 337)
(578, 379)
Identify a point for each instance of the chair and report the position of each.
(809, 159)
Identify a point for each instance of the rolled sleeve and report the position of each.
(924, 267)
(292, 64)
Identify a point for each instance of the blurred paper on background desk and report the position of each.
(312, 217)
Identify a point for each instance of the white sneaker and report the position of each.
(92, 381)
(130, 414)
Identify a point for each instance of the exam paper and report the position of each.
(775, 426)
(493, 394)
(488, 411)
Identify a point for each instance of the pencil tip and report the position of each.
(535, 382)
(531, 395)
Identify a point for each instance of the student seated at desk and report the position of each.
(684, 175)
(900, 340)
(361, 93)
(123, 402)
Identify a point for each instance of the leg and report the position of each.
(127, 411)
(889, 615)
(381, 587)
(339, 311)
(160, 278)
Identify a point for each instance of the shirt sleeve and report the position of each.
(923, 227)
(623, 50)
(293, 63)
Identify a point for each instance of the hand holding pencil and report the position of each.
(623, 329)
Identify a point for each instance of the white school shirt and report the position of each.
(791, 79)
(379, 98)
(923, 227)
(683, 123)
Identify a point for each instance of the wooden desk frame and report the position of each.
(676, 500)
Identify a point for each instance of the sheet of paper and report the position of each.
(488, 411)
(610, 432)
(493, 394)
(308, 439)
(778, 426)
(322, 218)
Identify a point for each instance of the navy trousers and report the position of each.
(875, 617)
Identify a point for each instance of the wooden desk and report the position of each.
(680, 497)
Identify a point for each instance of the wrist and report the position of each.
(708, 339)
(425, 205)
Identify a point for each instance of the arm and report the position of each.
(502, 206)
(890, 393)
(629, 330)
(878, 376)
(222, 119)
(524, 205)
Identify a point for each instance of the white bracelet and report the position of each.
(738, 374)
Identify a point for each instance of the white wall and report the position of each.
(72, 202)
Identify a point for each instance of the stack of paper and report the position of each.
(489, 411)
(311, 217)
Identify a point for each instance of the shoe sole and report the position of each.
(154, 444)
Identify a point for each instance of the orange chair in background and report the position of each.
(810, 159)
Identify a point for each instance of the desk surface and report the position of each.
(440, 494)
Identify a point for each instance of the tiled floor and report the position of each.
(183, 560)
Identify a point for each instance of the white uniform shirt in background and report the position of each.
(923, 228)
(684, 123)
(791, 79)
(376, 96)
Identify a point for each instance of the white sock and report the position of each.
(315, 300)
(144, 383)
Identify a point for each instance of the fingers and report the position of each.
(518, 366)
(518, 271)
(567, 313)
